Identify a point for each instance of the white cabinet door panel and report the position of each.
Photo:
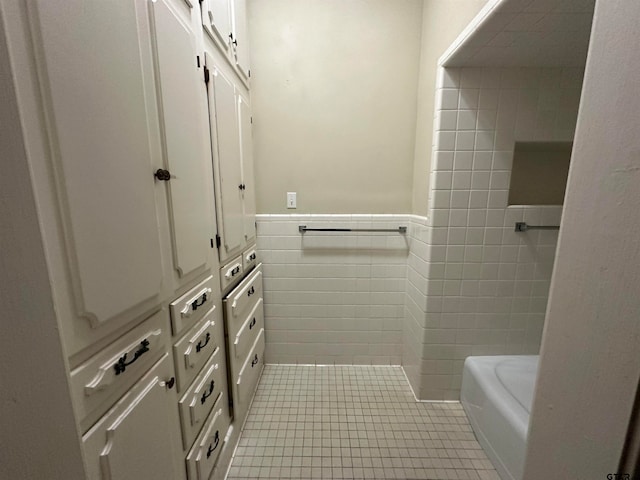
(216, 16)
(241, 36)
(244, 113)
(100, 141)
(138, 437)
(229, 161)
(185, 137)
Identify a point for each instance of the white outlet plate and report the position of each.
(291, 200)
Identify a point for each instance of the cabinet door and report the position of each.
(139, 437)
(241, 36)
(224, 117)
(96, 97)
(216, 18)
(182, 97)
(248, 192)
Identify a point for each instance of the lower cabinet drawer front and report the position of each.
(245, 336)
(248, 378)
(200, 398)
(101, 380)
(194, 349)
(139, 437)
(242, 298)
(231, 272)
(202, 457)
(191, 307)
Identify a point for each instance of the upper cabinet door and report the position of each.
(241, 37)
(244, 120)
(216, 18)
(222, 109)
(96, 93)
(184, 126)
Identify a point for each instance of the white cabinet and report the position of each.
(115, 120)
(216, 20)
(240, 40)
(185, 135)
(222, 108)
(248, 186)
(230, 120)
(98, 97)
(120, 106)
(140, 436)
(225, 22)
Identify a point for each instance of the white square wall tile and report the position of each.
(463, 161)
(465, 140)
(449, 98)
(461, 180)
(467, 120)
(469, 98)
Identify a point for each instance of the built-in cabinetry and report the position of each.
(133, 143)
(225, 21)
(230, 120)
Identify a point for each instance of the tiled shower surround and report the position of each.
(461, 282)
(475, 286)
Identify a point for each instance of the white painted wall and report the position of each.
(39, 437)
(334, 88)
(442, 22)
(589, 368)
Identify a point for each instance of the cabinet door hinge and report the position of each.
(211, 242)
(198, 60)
(206, 74)
(218, 242)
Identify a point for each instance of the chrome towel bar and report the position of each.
(523, 227)
(304, 228)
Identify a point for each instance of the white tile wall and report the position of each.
(333, 298)
(485, 286)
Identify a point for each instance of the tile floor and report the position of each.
(355, 422)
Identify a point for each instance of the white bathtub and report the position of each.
(496, 394)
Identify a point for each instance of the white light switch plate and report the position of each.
(291, 199)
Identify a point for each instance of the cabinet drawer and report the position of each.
(249, 258)
(248, 378)
(231, 272)
(205, 451)
(191, 307)
(192, 351)
(139, 437)
(97, 383)
(199, 400)
(244, 296)
(244, 337)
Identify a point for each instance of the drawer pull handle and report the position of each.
(199, 302)
(235, 271)
(122, 364)
(251, 291)
(201, 345)
(254, 361)
(251, 257)
(195, 302)
(170, 383)
(206, 395)
(252, 324)
(214, 445)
